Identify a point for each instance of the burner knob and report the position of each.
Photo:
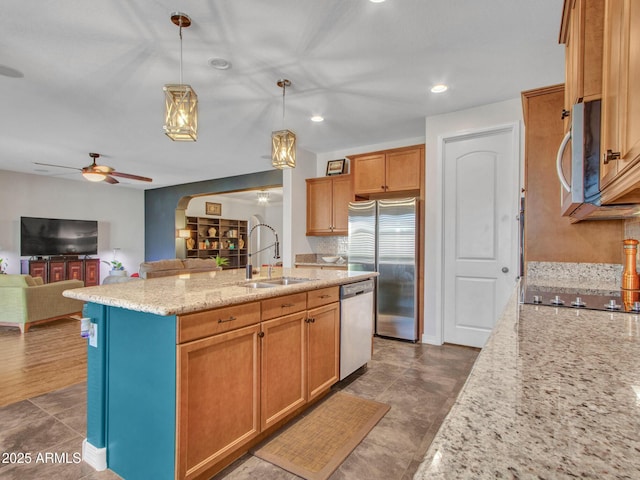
(636, 307)
(578, 303)
(538, 299)
(612, 305)
(557, 301)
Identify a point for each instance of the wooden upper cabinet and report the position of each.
(620, 141)
(369, 174)
(398, 170)
(582, 33)
(328, 205)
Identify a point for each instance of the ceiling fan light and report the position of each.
(283, 149)
(94, 176)
(181, 113)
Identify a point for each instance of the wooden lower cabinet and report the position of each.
(218, 398)
(283, 379)
(238, 383)
(323, 344)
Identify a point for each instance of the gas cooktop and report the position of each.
(567, 297)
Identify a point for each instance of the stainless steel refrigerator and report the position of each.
(383, 238)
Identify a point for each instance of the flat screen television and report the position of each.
(54, 236)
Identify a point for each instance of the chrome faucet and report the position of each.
(275, 245)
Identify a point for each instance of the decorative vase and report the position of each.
(212, 232)
(241, 243)
(118, 273)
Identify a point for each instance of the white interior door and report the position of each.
(481, 191)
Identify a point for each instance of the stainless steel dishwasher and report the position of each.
(356, 325)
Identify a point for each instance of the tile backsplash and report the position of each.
(333, 245)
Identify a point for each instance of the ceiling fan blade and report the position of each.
(59, 166)
(110, 179)
(130, 176)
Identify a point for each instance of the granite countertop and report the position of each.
(202, 291)
(555, 393)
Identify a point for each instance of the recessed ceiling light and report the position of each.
(441, 87)
(317, 118)
(219, 63)
(376, 1)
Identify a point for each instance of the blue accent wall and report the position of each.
(160, 207)
(96, 377)
(141, 393)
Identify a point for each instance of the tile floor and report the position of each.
(420, 382)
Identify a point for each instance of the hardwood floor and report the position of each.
(48, 357)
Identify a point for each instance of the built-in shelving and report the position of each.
(218, 236)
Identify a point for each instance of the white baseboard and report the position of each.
(431, 340)
(96, 457)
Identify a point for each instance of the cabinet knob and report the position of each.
(609, 155)
(565, 114)
(261, 334)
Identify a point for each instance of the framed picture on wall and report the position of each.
(335, 167)
(211, 208)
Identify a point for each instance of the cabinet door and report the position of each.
(218, 403)
(369, 174)
(323, 339)
(612, 83)
(57, 271)
(91, 272)
(75, 270)
(621, 99)
(38, 268)
(403, 170)
(319, 214)
(283, 379)
(342, 194)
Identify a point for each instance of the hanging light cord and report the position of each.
(180, 50)
(284, 89)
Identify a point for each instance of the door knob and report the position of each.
(505, 269)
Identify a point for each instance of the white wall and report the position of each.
(500, 113)
(118, 210)
(294, 206)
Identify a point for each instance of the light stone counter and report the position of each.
(203, 291)
(555, 393)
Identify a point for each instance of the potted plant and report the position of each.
(116, 267)
(3, 266)
(221, 261)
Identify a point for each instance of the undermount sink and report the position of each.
(275, 282)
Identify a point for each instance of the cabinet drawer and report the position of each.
(279, 306)
(323, 296)
(211, 322)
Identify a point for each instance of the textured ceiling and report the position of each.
(83, 76)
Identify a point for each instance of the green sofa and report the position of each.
(25, 300)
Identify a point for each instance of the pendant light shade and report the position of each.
(283, 142)
(181, 118)
(181, 101)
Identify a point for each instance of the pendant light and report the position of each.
(283, 142)
(181, 101)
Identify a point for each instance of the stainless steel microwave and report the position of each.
(581, 193)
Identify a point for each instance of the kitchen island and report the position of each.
(555, 393)
(186, 373)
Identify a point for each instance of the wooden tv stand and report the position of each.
(56, 269)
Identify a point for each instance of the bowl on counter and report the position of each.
(330, 259)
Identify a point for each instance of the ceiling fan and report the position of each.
(99, 173)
